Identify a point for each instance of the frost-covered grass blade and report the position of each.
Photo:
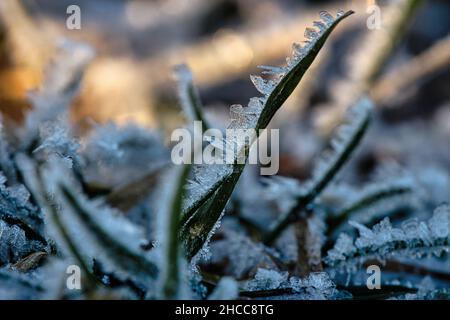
(256, 115)
(347, 138)
(413, 239)
(88, 230)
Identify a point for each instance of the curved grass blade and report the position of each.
(256, 115)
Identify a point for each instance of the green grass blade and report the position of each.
(257, 115)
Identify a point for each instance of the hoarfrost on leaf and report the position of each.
(310, 33)
(414, 239)
(326, 17)
(277, 71)
(262, 85)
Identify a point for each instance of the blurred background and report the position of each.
(403, 64)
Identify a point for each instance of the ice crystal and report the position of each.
(320, 25)
(262, 85)
(342, 248)
(245, 117)
(427, 290)
(310, 33)
(413, 238)
(277, 71)
(326, 17)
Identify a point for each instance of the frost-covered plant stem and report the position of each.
(348, 138)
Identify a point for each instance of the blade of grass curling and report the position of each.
(257, 116)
